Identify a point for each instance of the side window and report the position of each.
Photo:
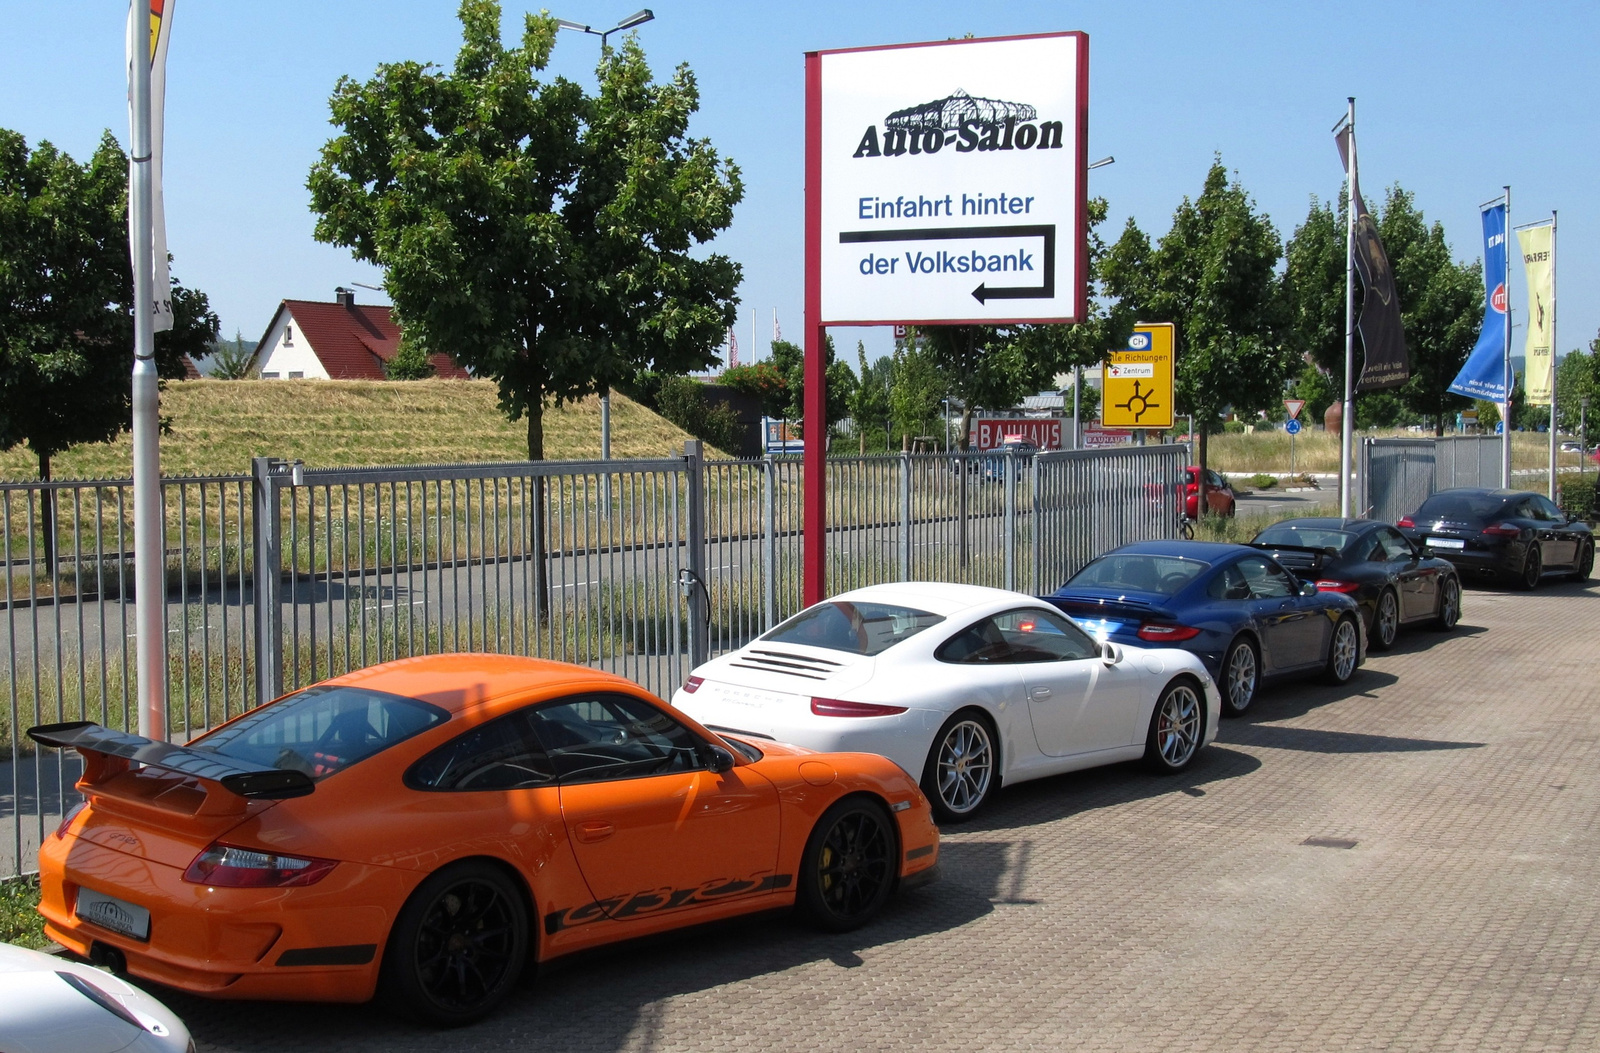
(1267, 580)
(1394, 545)
(1215, 480)
(592, 738)
(1546, 509)
(1229, 585)
(1526, 509)
(1019, 636)
(501, 754)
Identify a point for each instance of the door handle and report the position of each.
(593, 830)
(1041, 692)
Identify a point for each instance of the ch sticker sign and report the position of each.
(951, 180)
(1137, 384)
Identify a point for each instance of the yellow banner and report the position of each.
(1539, 262)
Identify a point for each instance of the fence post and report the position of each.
(905, 515)
(696, 587)
(769, 542)
(267, 583)
(1011, 520)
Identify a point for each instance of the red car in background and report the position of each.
(1220, 498)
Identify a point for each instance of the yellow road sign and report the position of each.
(1136, 384)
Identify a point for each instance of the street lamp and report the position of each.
(638, 18)
(1077, 371)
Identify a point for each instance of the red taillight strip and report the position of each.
(1160, 632)
(231, 866)
(1337, 586)
(837, 707)
(691, 685)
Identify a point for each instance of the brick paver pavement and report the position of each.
(1114, 910)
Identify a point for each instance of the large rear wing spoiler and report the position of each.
(107, 753)
(1321, 554)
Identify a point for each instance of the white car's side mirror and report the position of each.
(1110, 653)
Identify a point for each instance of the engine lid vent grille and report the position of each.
(787, 663)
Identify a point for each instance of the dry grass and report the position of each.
(1318, 451)
(218, 425)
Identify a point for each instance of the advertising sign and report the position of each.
(952, 180)
(989, 432)
(1096, 437)
(780, 436)
(1136, 389)
(1538, 259)
(1484, 374)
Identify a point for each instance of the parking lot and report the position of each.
(1411, 862)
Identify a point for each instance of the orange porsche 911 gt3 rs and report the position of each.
(419, 829)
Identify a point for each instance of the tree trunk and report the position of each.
(1205, 454)
(47, 519)
(964, 439)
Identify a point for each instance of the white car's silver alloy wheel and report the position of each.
(1178, 726)
(965, 766)
(1345, 648)
(1241, 673)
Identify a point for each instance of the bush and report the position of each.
(1233, 427)
(1577, 496)
(683, 401)
(1262, 481)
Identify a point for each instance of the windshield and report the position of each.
(322, 730)
(1468, 507)
(1305, 536)
(857, 628)
(1139, 572)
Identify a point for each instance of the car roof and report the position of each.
(1499, 492)
(935, 597)
(458, 682)
(1205, 551)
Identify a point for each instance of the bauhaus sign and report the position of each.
(952, 181)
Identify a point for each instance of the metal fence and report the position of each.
(1397, 475)
(287, 576)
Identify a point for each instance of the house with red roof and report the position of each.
(343, 340)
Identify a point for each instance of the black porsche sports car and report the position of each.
(1374, 564)
(1513, 535)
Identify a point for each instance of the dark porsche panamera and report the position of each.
(1394, 581)
(1514, 536)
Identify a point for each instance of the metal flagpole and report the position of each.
(148, 558)
(1347, 424)
(1505, 404)
(1553, 346)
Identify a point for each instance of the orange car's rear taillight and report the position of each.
(834, 707)
(229, 866)
(66, 820)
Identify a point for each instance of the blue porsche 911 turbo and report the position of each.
(1234, 607)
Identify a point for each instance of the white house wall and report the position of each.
(290, 352)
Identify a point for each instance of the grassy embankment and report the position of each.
(218, 425)
(1318, 451)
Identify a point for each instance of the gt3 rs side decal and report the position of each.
(653, 901)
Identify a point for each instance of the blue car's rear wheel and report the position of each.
(1241, 673)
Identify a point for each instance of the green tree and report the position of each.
(1578, 382)
(546, 237)
(918, 388)
(66, 294)
(869, 403)
(789, 360)
(410, 361)
(230, 359)
(1213, 275)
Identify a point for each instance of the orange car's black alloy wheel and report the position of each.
(853, 868)
(466, 944)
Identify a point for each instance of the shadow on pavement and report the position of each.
(1062, 796)
(611, 998)
(1312, 740)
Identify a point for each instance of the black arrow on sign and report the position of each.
(982, 293)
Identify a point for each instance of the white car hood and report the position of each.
(42, 1013)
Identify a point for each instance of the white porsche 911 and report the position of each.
(968, 687)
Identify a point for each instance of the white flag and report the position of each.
(156, 15)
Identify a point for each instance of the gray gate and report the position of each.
(1397, 475)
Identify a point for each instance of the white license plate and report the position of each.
(1446, 542)
(112, 913)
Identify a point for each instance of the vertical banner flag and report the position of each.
(1538, 264)
(1383, 337)
(154, 51)
(1483, 376)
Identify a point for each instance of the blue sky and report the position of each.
(1454, 100)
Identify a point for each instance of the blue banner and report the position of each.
(1484, 375)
